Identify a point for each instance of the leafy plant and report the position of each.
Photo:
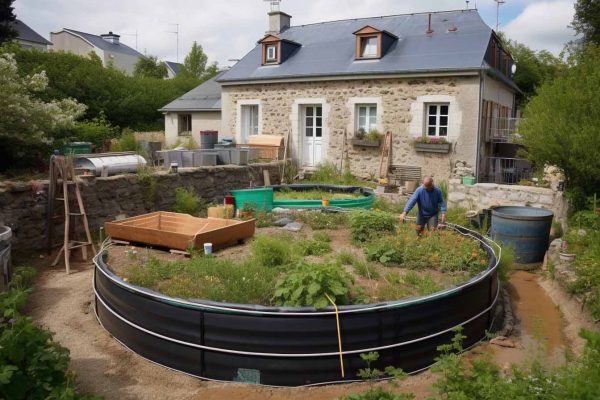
(371, 374)
(187, 202)
(314, 247)
(264, 219)
(321, 220)
(385, 251)
(373, 135)
(431, 139)
(365, 224)
(271, 251)
(307, 285)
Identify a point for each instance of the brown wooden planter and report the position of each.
(365, 143)
(433, 147)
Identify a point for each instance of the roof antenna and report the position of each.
(467, 1)
(429, 30)
(498, 4)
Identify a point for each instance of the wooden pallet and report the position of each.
(399, 174)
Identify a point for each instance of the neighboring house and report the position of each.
(107, 46)
(197, 110)
(173, 69)
(441, 75)
(28, 38)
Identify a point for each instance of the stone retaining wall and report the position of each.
(23, 204)
(486, 195)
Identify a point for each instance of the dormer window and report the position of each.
(271, 56)
(276, 50)
(368, 47)
(372, 43)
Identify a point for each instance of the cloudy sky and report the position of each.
(227, 29)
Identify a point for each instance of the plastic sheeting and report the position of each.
(290, 346)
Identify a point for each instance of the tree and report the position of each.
(150, 67)
(560, 125)
(28, 122)
(587, 20)
(533, 67)
(211, 71)
(7, 17)
(195, 61)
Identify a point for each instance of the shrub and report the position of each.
(320, 220)
(187, 202)
(126, 142)
(272, 252)
(307, 285)
(586, 220)
(385, 251)
(365, 224)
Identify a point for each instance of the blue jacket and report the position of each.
(430, 203)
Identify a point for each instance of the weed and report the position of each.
(322, 220)
(272, 252)
(315, 247)
(385, 252)
(313, 195)
(346, 258)
(264, 219)
(382, 204)
(364, 225)
(147, 179)
(187, 202)
(362, 268)
(424, 285)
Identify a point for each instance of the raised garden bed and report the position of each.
(262, 317)
(298, 196)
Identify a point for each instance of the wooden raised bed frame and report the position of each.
(180, 231)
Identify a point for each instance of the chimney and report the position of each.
(278, 22)
(429, 30)
(111, 37)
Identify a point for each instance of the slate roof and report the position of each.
(328, 48)
(102, 44)
(204, 97)
(28, 34)
(173, 66)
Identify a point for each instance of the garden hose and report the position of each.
(339, 333)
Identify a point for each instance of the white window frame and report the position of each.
(364, 45)
(370, 112)
(184, 119)
(438, 115)
(271, 57)
(249, 120)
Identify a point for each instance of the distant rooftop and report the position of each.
(26, 33)
(458, 43)
(173, 66)
(99, 42)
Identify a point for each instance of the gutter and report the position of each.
(187, 109)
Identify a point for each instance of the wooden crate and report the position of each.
(269, 146)
(180, 231)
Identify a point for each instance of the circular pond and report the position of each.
(293, 346)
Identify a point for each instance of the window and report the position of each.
(185, 124)
(366, 117)
(437, 120)
(271, 55)
(368, 46)
(249, 121)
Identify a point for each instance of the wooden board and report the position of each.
(180, 231)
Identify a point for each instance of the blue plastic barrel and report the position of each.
(525, 229)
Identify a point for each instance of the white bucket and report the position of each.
(207, 248)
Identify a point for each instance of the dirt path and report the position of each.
(64, 304)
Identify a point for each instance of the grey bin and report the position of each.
(239, 156)
(187, 158)
(253, 153)
(205, 158)
(172, 156)
(5, 258)
(223, 156)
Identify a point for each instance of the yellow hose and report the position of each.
(337, 320)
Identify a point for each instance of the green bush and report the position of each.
(126, 142)
(364, 225)
(187, 202)
(314, 247)
(97, 131)
(320, 220)
(307, 285)
(385, 251)
(586, 220)
(271, 251)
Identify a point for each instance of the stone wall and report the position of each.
(400, 103)
(486, 195)
(23, 204)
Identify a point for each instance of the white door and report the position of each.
(312, 118)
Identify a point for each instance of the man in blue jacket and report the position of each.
(431, 203)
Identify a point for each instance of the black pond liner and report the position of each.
(290, 346)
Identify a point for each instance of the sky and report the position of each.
(228, 29)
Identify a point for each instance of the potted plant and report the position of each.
(564, 255)
(247, 211)
(370, 139)
(432, 144)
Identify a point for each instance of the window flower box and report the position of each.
(432, 145)
(365, 142)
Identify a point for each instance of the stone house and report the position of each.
(434, 77)
(195, 111)
(28, 38)
(107, 46)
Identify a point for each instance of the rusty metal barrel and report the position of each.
(525, 229)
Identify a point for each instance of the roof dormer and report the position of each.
(372, 43)
(276, 50)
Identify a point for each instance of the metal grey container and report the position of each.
(239, 156)
(223, 155)
(525, 229)
(208, 139)
(5, 257)
(187, 158)
(204, 158)
(113, 163)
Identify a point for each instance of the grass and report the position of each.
(318, 220)
(313, 194)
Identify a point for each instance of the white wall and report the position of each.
(201, 121)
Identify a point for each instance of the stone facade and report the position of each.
(23, 204)
(400, 103)
(486, 195)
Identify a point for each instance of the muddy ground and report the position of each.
(549, 321)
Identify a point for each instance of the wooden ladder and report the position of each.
(62, 181)
(384, 164)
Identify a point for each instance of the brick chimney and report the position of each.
(111, 37)
(278, 21)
